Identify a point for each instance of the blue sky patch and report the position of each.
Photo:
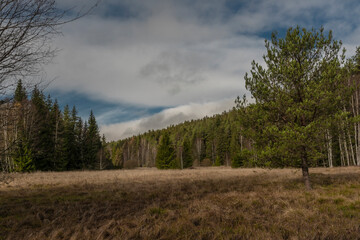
(105, 112)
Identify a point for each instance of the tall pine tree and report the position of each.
(296, 93)
(165, 157)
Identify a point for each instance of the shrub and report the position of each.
(131, 164)
(206, 163)
(196, 163)
(241, 158)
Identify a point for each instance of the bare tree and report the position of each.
(26, 30)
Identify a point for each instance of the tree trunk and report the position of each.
(358, 125)
(181, 158)
(354, 107)
(241, 142)
(213, 152)
(198, 148)
(342, 159)
(101, 155)
(329, 147)
(346, 152)
(356, 144)
(343, 141)
(351, 147)
(305, 168)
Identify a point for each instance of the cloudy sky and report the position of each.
(143, 65)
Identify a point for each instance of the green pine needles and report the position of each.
(165, 158)
(297, 94)
(23, 160)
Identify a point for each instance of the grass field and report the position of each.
(204, 203)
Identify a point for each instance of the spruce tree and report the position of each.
(57, 124)
(41, 142)
(20, 92)
(22, 156)
(92, 142)
(23, 159)
(187, 155)
(68, 140)
(165, 158)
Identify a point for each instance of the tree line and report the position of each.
(37, 135)
(215, 140)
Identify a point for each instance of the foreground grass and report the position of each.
(208, 203)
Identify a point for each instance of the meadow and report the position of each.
(201, 203)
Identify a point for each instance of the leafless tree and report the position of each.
(27, 28)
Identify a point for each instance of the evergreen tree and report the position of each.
(23, 159)
(41, 142)
(69, 154)
(295, 94)
(85, 145)
(57, 124)
(79, 131)
(20, 92)
(21, 153)
(92, 142)
(165, 157)
(76, 147)
(42, 138)
(187, 155)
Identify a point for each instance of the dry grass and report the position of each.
(204, 203)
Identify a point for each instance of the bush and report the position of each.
(131, 164)
(196, 163)
(206, 163)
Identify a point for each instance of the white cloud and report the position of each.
(160, 61)
(165, 118)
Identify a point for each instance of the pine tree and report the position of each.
(187, 155)
(57, 124)
(23, 159)
(20, 92)
(79, 131)
(41, 141)
(165, 157)
(296, 93)
(92, 142)
(71, 152)
(21, 153)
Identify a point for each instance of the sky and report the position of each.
(142, 65)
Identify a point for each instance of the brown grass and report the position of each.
(204, 203)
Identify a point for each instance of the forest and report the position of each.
(37, 135)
